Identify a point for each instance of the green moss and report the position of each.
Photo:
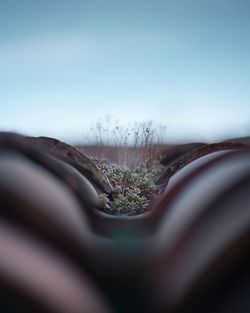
(134, 189)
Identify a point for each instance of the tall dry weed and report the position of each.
(137, 144)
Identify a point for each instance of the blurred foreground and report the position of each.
(60, 253)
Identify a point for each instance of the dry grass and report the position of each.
(137, 144)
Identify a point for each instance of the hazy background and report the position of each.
(182, 63)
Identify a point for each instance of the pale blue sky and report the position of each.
(183, 63)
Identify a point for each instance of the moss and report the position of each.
(134, 189)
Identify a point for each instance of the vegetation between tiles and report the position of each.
(138, 149)
(134, 188)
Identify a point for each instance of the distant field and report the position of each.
(113, 154)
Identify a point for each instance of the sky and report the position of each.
(185, 64)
